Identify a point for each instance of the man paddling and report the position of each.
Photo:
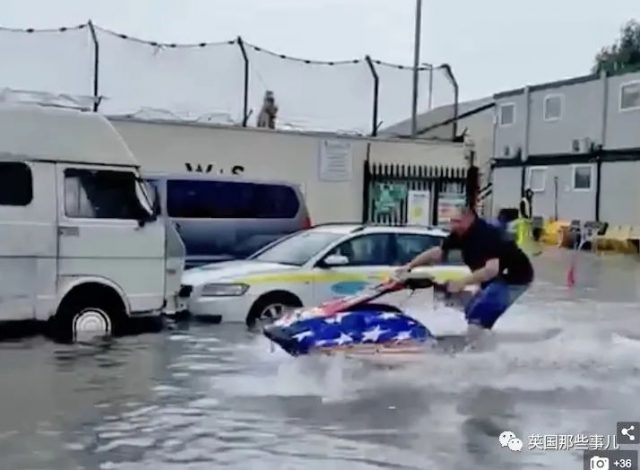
(501, 269)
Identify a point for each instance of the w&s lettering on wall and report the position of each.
(212, 169)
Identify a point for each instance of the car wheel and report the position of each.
(270, 307)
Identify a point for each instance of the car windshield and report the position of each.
(298, 249)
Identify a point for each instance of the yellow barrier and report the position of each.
(617, 238)
(552, 231)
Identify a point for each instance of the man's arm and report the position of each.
(490, 270)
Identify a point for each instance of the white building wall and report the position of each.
(275, 155)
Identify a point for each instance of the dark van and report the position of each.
(226, 218)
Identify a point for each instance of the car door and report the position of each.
(101, 233)
(369, 258)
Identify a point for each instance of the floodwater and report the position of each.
(206, 396)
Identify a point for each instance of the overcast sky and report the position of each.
(492, 45)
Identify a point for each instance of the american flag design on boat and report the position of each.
(353, 325)
(363, 332)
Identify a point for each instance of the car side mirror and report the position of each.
(335, 260)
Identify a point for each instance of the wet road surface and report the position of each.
(565, 362)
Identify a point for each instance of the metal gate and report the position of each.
(388, 188)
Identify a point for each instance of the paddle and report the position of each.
(393, 285)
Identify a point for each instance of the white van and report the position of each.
(81, 245)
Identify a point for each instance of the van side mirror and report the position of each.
(147, 206)
(145, 218)
(334, 261)
(156, 201)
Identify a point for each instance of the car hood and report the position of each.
(230, 271)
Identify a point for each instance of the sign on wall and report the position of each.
(419, 208)
(388, 198)
(335, 161)
(447, 204)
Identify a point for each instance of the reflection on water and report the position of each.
(217, 397)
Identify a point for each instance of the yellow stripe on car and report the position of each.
(441, 275)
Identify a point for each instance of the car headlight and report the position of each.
(224, 290)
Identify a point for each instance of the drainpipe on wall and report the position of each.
(494, 128)
(603, 137)
(525, 148)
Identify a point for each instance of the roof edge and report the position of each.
(548, 85)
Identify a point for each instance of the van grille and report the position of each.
(185, 291)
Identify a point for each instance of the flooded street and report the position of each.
(207, 396)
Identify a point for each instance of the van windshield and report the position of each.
(298, 249)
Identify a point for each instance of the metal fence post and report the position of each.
(366, 187)
(96, 67)
(437, 187)
(245, 105)
(376, 93)
(454, 84)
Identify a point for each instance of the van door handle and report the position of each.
(178, 227)
(69, 231)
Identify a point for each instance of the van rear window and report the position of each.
(16, 185)
(199, 199)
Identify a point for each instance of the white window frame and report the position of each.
(544, 107)
(530, 170)
(622, 85)
(504, 105)
(573, 176)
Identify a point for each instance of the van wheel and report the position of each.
(79, 318)
(91, 320)
(270, 307)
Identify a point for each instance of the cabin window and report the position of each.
(630, 96)
(537, 179)
(553, 105)
(507, 114)
(582, 177)
(16, 184)
(100, 194)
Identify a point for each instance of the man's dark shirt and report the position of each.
(483, 242)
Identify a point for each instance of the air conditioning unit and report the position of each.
(584, 145)
(575, 145)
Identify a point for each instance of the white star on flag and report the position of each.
(403, 336)
(344, 339)
(305, 334)
(373, 335)
(388, 316)
(337, 318)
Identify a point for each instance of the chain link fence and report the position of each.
(223, 82)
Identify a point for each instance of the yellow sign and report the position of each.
(419, 208)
